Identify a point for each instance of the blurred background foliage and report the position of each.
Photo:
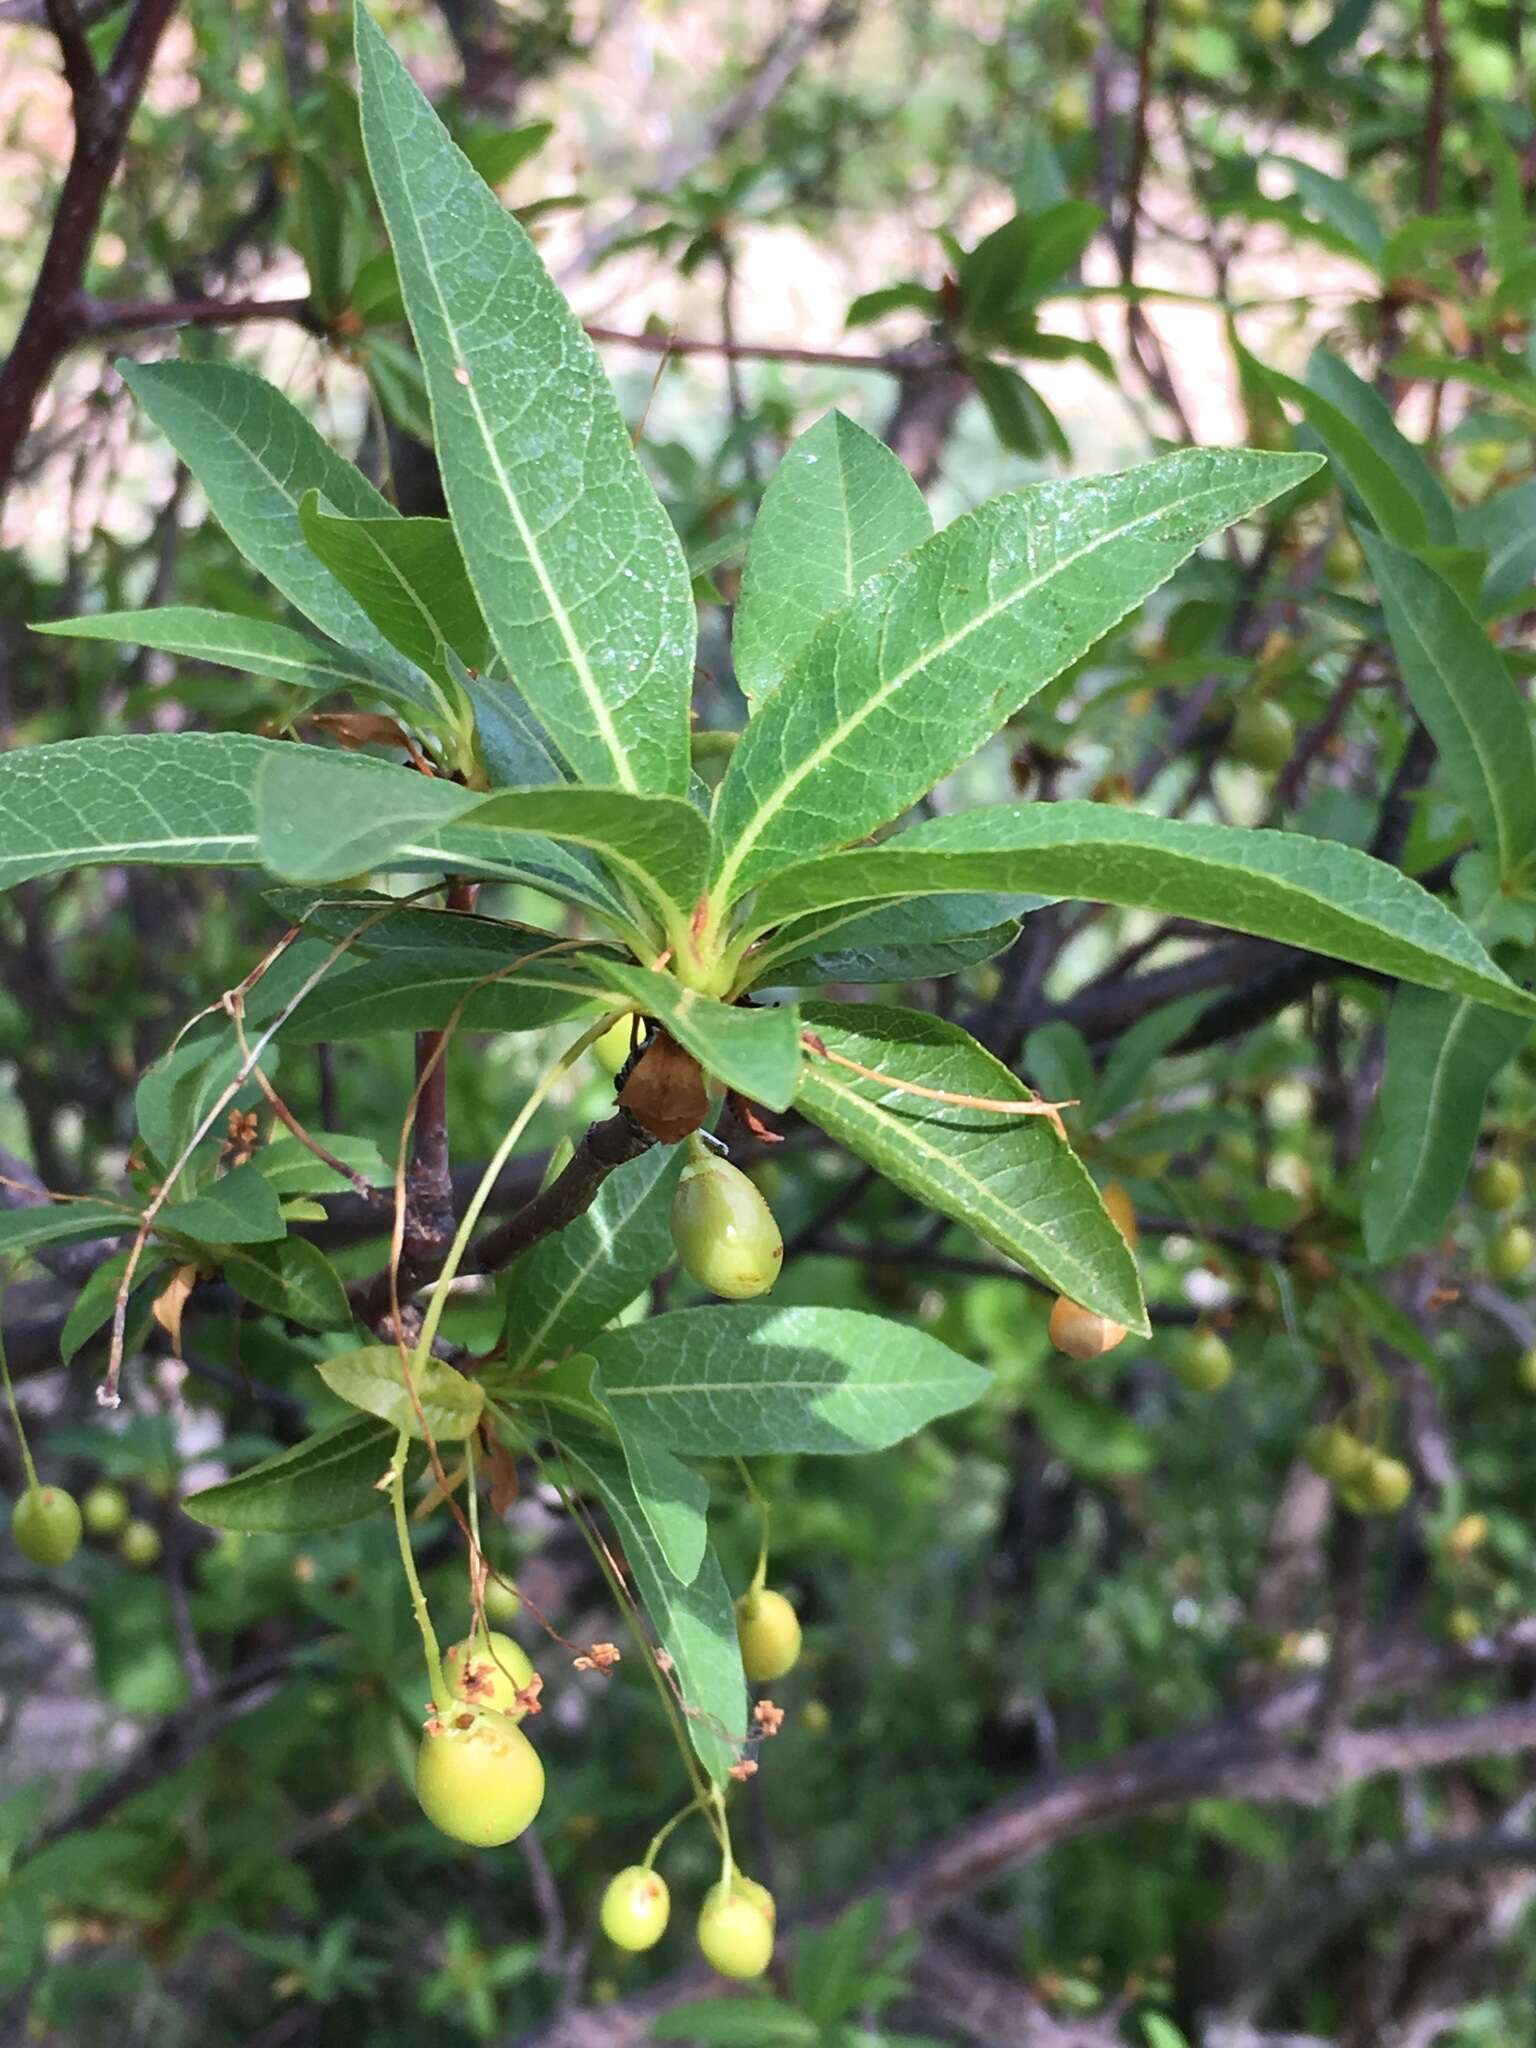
(1017, 239)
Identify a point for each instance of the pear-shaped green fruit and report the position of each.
(723, 1229)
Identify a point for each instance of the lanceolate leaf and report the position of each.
(694, 1624)
(1386, 474)
(256, 456)
(257, 647)
(935, 653)
(742, 1380)
(408, 576)
(1442, 1053)
(578, 572)
(62, 1223)
(328, 1480)
(930, 935)
(241, 1208)
(673, 1499)
(570, 1283)
(754, 1051)
(1010, 1179)
(1278, 885)
(404, 991)
(1464, 694)
(292, 1279)
(839, 507)
(374, 1379)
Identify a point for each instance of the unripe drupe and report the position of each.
(636, 1907)
(768, 1630)
(46, 1525)
(1263, 735)
(139, 1545)
(614, 1047)
(723, 1229)
(735, 1930)
(1511, 1252)
(1333, 1453)
(489, 1670)
(1203, 1362)
(1497, 1184)
(478, 1777)
(105, 1510)
(1081, 1332)
(1384, 1484)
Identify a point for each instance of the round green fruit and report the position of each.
(139, 1545)
(104, 1511)
(1497, 1184)
(735, 1934)
(1268, 20)
(1203, 1362)
(1333, 1453)
(1384, 1483)
(489, 1670)
(723, 1229)
(1263, 735)
(636, 1907)
(615, 1046)
(478, 1777)
(502, 1602)
(1525, 1371)
(46, 1525)
(1511, 1252)
(768, 1630)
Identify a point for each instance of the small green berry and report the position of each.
(735, 1932)
(723, 1229)
(1525, 1370)
(1333, 1453)
(105, 1510)
(768, 1630)
(1497, 1184)
(1203, 1362)
(1384, 1484)
(1511, 1252)
(46, 1525)
(478, 1777)
(489, 1671)
(615, 1046)
(139, 1545)
(1263, 735)
(503, 1602)
(636, 1907)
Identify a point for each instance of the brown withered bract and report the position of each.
(666, 1092)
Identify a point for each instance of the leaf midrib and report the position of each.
(819, 754)
(606, 728)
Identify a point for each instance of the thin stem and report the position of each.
(10, 1395)
(429, 1642)
(760, 1576)
(658, 1840)
(482, 1194)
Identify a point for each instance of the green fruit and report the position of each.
(1497, 1184)
(615, 1046)
(1344, 561)
(1069, 111)
(139, 1545)
(1511, 1252)
(1263, 735)
(46, 1525)
(1082, 1332)
(1485, 71)
(489, 1671)
(1525, 1371)
(502, 1602)
(768, 1630)
(1384, 1484)
(1202, 1362)
(1333, 1453)
(636, 1907)
(478, 1777)
(105, 1511)
(1268, 19)
(723, 1229)
(735, 1934)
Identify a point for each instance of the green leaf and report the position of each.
(256, 647)
(1011, 1180)
(240, 1208)
(1505, 527)
(936, 652)
(742, 1380)
(756, 1052)
(839, 507)
(94, 1305)
(292, 1279)
(1386, 473)
(294, 1170)
(409, 577)
(1137, 1051)
(178, 798)
(1442, 1053)
(373, 1378)
(1313, 893)
(256, 456)
(578, 571)
(737, 2023)
(1021, 419)
(695, 1624)
(1091, 1434)
(62, 1223)
(330, 1479)
(564, 1288)
(831, 1966)
(1338, 206)
(516, 749)
(902, 942)
(1480, 725)
(404, 991)
(673, 1499)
